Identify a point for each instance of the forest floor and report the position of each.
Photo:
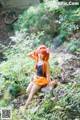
(70, 65)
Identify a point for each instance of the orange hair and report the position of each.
(46, 52)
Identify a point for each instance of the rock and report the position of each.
(74, 74)
(51, 85)
(45, 89)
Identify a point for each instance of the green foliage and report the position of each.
(47, 105)
(59, 40)
(54, 67)
(65, 106)
(3, 103)
(15, 90)
(18, 66)
(35, 20)
(51, 21)
(68, 21)
(73, 46)
(67, 25)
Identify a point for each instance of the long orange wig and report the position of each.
(46, 52)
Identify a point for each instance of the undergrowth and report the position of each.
(52, 21)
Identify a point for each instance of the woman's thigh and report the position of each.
(29, 87)
(34, 88)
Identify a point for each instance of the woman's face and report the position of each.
(40, 56)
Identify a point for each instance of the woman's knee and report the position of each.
(34, 89)
(29, 88)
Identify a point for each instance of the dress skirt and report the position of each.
(40, 80)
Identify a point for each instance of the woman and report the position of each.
(42, 77)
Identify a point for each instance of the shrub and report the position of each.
(59, 40)
(51, 20)
(73, 46)
(18, 66)
(38, 19)
(15, 90)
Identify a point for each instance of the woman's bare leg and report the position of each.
(34, 89)
(29, 87)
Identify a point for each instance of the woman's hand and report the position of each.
(33, 55)
(29, 54)
(53, 83)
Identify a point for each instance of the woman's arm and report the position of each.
(33, 55)
(48, 71)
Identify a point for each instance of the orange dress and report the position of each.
(40, 78)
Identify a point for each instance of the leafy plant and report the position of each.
(59, 40)
(15, 90)
(51, 20)
(73, 46)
